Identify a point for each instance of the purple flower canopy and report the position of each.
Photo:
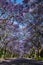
(18, 23)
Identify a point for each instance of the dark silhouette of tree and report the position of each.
(41, 53)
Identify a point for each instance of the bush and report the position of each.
(1, 52)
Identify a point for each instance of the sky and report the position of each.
(18, 1)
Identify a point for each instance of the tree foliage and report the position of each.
(21, 26)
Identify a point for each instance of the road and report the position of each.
(21, 61)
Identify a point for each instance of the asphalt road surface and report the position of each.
(21, 61)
